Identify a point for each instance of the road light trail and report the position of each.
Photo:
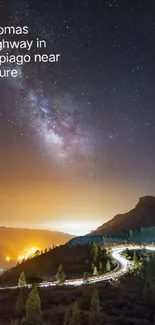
(122, 266)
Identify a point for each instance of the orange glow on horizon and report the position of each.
(28, 253)
(77, 228)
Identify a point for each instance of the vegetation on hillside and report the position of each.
(74, 261)
(127, 300)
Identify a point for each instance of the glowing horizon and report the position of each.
(76, 228)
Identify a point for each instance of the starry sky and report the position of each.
(77, 137)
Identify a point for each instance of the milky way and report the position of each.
(58, 121)
(94, 110)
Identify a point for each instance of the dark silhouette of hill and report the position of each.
(14, 240)
(142, 215)
(45, 266)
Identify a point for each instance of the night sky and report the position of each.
(77, 137)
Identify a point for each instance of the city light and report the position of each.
(28, 253)
(24, 255)
(8, 258)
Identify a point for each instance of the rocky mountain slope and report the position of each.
(142, 215)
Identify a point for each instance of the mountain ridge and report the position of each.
(13, 241)
(143, 214)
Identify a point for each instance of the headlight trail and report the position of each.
(122, 266)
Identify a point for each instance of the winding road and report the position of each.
(122, 266)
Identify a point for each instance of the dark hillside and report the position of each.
(142, 215)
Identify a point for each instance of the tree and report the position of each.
(153, 257)
(109, 252)
(102, 247)
(104, 237)
(22, 280)
(130, 234)
(144, 267)
(95, 312)
(95, 271)
(23, 322)
(67, 318)
(135, 260)
(34, 278)
(108, 267)
(92, 266)
(35, 287)
(96, 253)
(85, 277)
(100, 268)
(76, 315)
(37, 252)
(91, 250)
(20, 305)
(33, 308)
(60, 276)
